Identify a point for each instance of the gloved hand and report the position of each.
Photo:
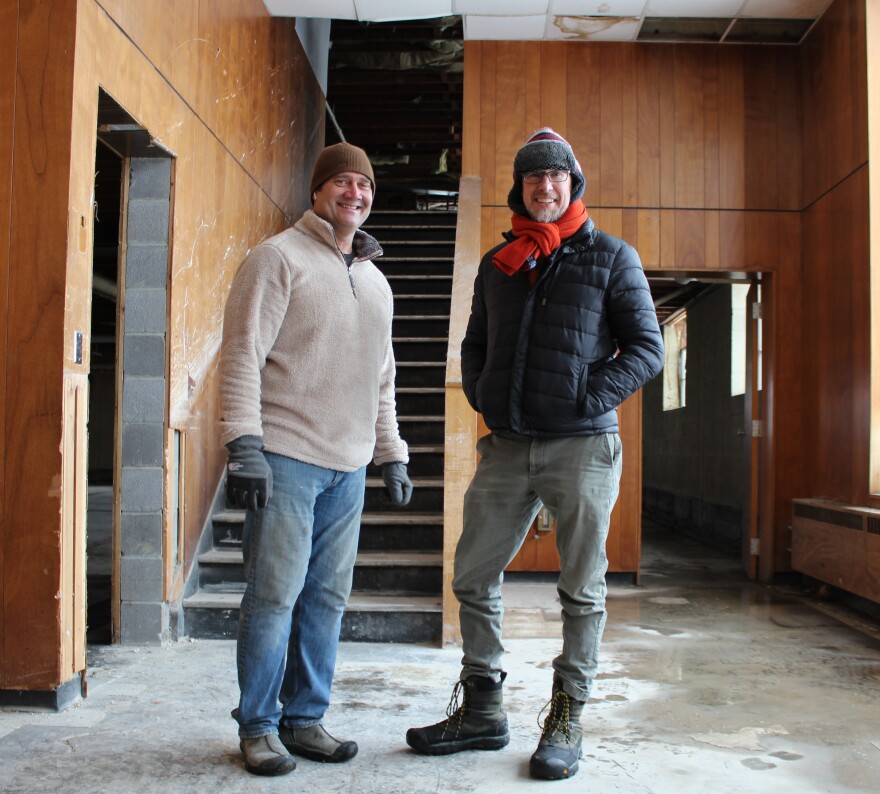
(248, 475)
(397, 482)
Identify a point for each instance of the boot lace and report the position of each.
(456, 710)
(558, 719)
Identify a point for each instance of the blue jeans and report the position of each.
(577, 479)
(299, 553)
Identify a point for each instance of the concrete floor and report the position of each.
(707, 683)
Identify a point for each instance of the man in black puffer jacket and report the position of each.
(562, 330)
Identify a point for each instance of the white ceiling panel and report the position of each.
(588, 20)
(692, 8)
(604, 8)
(531, 28)
(592, 29)
(506, 8)
(784, 9)
(390, 10)
(335, 9)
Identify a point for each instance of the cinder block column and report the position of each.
(144, 615)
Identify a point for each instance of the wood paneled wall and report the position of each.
(8, 49)
(32, 473)
(691, 153)
(836, 259)
(228, 90)
(724, 159)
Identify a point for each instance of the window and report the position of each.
(740, 315)
(675, 364)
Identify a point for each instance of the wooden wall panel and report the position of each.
(873, 64)
(34, 339)
(8, 49)
(648, 68)
(609, 117)
(653, 126)
(837, 311)
(731, 127)
(584, 131)
(835, 121)
(688, 99)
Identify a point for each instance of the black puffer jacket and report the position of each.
(556, 360)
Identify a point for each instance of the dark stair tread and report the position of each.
(420, 277)
(371, 518)
(422, 418)
(419, 338)
(368, 602)
(229, 516)
(363, 602)
(421, 389)
(400, 364)
(364, 558)
(431, 317)
(435, 258)
(386, 559)
(418, 482)
(418, 241)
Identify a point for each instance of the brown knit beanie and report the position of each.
(337, 159)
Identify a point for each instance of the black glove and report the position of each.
(396, 481)
(248, 476)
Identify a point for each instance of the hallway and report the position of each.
(707, 683)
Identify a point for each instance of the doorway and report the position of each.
(102, 393)
(702, 416)
(126, 572)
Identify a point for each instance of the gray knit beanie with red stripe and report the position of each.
(543, 151)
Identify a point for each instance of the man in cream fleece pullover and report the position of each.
(307, 401)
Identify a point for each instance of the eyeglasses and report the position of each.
(534, 177)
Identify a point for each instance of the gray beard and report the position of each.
(548, 215)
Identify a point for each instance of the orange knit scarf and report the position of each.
(534, 238)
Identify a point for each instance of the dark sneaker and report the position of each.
(265, 755)
(479, 723)
(559, 749)
(316, 744)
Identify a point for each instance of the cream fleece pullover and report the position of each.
(306, 360)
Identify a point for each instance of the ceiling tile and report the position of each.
(592, 28)
(337, 9)
(785, 9)
(506, 8)
(528, 28)
(692, 8)
(605, 8)
(390, 10)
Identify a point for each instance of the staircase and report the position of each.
(397, 589)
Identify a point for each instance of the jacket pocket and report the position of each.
(583, 377)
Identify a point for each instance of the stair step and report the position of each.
(421, 373)
(368, 559)
(420, 325)
(368, 602)
(369, 617)
(435, 349)
(422, 429)
(408, 519)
